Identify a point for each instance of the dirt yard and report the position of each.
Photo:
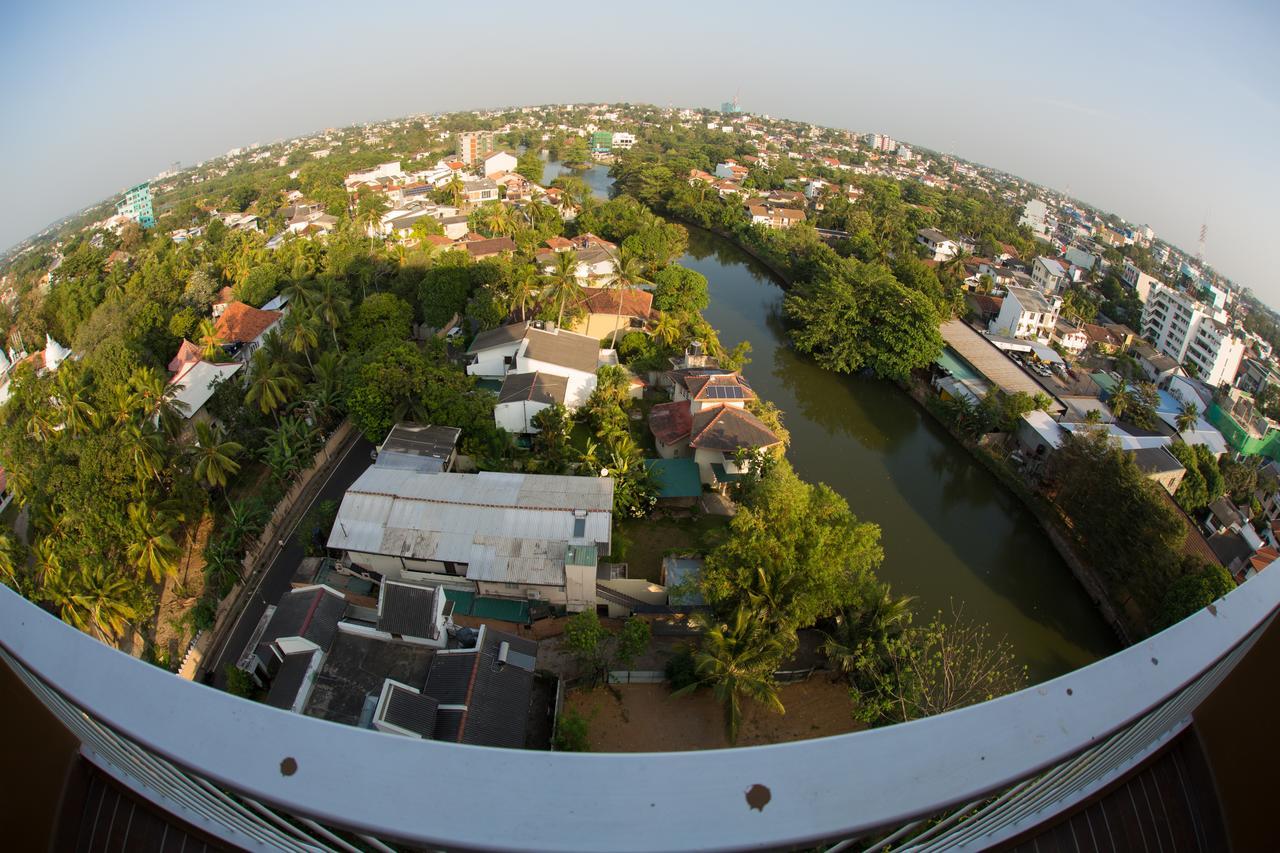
(649, 720)
(181, 592)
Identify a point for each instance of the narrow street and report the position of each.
(273, 582)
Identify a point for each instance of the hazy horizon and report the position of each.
(1160, 114)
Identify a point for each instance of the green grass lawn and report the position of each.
(652, 539)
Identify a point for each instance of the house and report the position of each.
(1048, 276)
(491, 248)
(242, 327)
(937, 246)
(1101, 338)
(477, 695)
(707, 420)
(731, 171)
(286, 646)
(419, 447)
(533, 347)
(192, 382)
(610, 309)
(496, 162)
(595, 255)
(772, 215)
(1156, 365)
(1071, 338)
(1026, 314)
(479, 191)
(1161, 466)
(523, 395)
(514, 536)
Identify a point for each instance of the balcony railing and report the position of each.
(260, 777)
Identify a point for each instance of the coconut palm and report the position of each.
(150, 397)
(42, 425)
(215, 455)
(862, 631)
(10, 561)
(737, 660)
(151, 549)
(1188, 417)
(667, 328)
(628, 271)
(301, 332)
(564, 281)
(97, 601)
(142, 447)
(496, 219)
(456, 190)
(209, 339)
(1122, 400)
(301, 293)
(270, 384)
(371, 209)
(523, 286)
(332, 307)
(70, 391)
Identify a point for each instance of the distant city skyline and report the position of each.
(1160, 114)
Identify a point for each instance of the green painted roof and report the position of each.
(581, 555)
(722, 475)
(677, 478)
(1105, 381)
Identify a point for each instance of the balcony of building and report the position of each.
(1164, 745)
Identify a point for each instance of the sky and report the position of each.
(1164, 113)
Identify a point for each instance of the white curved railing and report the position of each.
(1034, 751)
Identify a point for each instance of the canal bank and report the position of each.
(954, 536)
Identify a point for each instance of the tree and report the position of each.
(271, 383)
(209, 340)
(563, 285)
(1188, 417)
(632, 641)
(572, 732)
(666, 329)
(947, 664)
(99, 600)
(215, 455)
(627, 273)
(801, 543)
(1201, 584)
(585, 638)
(679, 290)
(332, 306)
(381, 317)
(290, 448)
(861, 633)
(369, 212)
(530, 166)
(455, 191)
(151, 548)
(737, 659)
(301, 331)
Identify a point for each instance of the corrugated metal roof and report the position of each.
(510, 528)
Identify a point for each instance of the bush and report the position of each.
(239, 682)
(571, 733)
(681, 670)
(204, 614)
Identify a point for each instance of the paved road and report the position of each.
(275, 580)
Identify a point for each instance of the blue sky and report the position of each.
(1164, 113)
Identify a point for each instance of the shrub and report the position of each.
(571, 732)
(204, 614)
(239, 682)
(681, 670)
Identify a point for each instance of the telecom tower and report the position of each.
(1204, 232)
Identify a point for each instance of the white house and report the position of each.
(242, 327)
(938, 246)
(1048, 276)
(523, 395)
(1026, 313)
(531, 347)
(498, 161)
(1069, 337)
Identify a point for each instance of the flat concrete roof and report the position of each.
(994, 365)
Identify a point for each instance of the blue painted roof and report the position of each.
(676, 478)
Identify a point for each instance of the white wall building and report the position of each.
(1026, 313)
(940, 248)
(1049, 276)
(1189, 331)
(623, 141)
(498, 161)
(1035, 215)
(527, 348)
(1140, 282)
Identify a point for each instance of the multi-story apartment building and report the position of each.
(1140, 282)
(1191, 332)
(137, 205)
(1049, 276)
(473, 145)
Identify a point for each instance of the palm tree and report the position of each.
(152, 550)
(456, 190)
(302, 334)
(150, 397)
(69, 392)
(863, 630)
(523, 285)
(737, 660)
(271, 384)
(209, 339)
(667, 328)
(1122, 400)
(98, 601)
(332, 306)
(1188, 417)
(628, 271)
(41, 425)
(215, 455)
(372, 207)
(564, 280)
(496, 219)
(301, 293)
(10, 561)
(143, 448)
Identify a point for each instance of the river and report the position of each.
(952, 535)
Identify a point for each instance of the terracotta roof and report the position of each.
(635, 302)
(670, 423)
(226, 295)
(1100, 334)
(1194, 545)
(557, 244)
(439, 240)
(727, 429)
(188, 353)
(242, 323)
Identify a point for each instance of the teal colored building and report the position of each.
(137, 205)
(601, 142)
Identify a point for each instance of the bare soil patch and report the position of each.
(180, 593)
(648, 719)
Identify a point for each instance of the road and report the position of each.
(275, 580)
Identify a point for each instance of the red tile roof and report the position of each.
(670, 422)
(242, 323)
(727, 429)
(188, 354)
(488, 248)
(226, 295)
(635, 302)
